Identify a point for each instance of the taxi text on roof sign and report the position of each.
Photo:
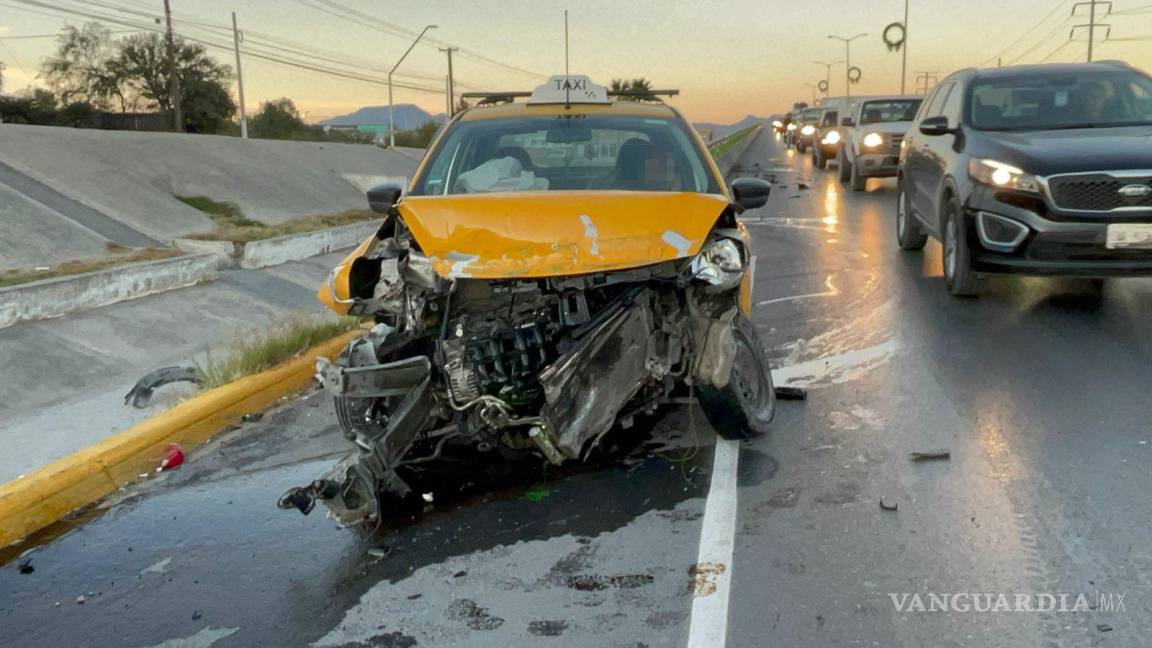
(572, 88)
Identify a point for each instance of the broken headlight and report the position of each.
(719, 263)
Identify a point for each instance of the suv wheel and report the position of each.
(801, 148)
(844, 165)
(858, 181)
(958, 274)
(908, 232)
(818, 159)
(745, 407)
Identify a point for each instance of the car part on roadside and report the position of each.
(791, 393)
(534, 328)
(888, 507)
(141, 392)
(933, 455)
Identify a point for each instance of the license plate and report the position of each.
(1130, 235)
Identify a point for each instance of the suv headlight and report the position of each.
(833, 137)
(719, 263)
(873, 140)
(808, 129)
(792, 126)
(999, 174)
(777, 124)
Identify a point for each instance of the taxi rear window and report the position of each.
(566, 153)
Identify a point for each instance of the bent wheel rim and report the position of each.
(748, 377)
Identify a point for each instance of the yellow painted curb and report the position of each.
(40, 498)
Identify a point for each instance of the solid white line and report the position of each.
(708, 625)
(780, 300)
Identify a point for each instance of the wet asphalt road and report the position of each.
(1039, 389)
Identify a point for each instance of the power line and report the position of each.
(281, 60)
(1056, 8)
(1044, 39)
(1057, 50)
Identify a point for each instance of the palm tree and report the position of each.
(624, 89)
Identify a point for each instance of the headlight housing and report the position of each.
(720, 263)
(832, 137)
(808, 129)
(873, 140)
(999, 174)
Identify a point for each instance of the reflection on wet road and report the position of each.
(1038, 389)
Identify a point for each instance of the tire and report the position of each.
(908, 232)
(818, 159)
(801, 148)
(857, 181)
(957, 258)
(745, 407)
(844, 165)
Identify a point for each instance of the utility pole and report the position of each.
(173, 73)
(928, 78)
(1092, 24)
(847, 61)
(239, 79)
(451, 82)
(904, 62)
(392, 106)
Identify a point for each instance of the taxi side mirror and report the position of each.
(382, 198)
(750, 193)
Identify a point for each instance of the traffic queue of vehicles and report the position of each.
(1031, 170)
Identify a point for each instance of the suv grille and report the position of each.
(1098, 192)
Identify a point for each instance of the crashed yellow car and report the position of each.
(557, 266)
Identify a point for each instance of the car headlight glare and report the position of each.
(873, 140)
(719, 263)
(777, 124)
(833, 137)
(808, 129)
(999, 174)
(791, 127)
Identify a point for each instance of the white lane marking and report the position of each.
(206, 638)
(838, 368)
(778, 300)
(708, 625)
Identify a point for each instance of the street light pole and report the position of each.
(828, 74)
(173, 72)
(391, 106)
(239, 79)
(847, 60)
(904, 63)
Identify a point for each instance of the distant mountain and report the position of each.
(408, 116)
(722, 130)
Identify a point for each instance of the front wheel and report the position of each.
(745, 407)
(844, 165)
(908, 232)
(961, 280)
(857, 179)
(818, 158)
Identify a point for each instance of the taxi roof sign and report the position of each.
(569, 89)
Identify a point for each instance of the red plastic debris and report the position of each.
(173, 458)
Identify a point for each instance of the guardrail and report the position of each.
(728, 150)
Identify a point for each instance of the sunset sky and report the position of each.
(729, 58)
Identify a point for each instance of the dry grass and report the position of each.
(721, 147)
(232, 225)
(119, 256)
(255, 351)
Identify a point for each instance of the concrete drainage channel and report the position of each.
(204, 261)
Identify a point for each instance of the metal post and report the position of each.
(1091, 27)
(847, 60)
(239, 79)
(391, 105)
(904, 62)
(173, 73)
(451, 82)
(1092, 24)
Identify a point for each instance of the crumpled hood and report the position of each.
(555, 233)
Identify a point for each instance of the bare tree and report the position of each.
(79, 71)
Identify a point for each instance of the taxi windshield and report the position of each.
(566, 153)
(1089, 99)
(879, 112)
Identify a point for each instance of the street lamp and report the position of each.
(847, 60)
(828, 74)
(391, 121)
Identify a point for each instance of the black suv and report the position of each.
(1043, 169)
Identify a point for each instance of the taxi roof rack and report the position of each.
(506, 97)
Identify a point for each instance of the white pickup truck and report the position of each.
(872, 136)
